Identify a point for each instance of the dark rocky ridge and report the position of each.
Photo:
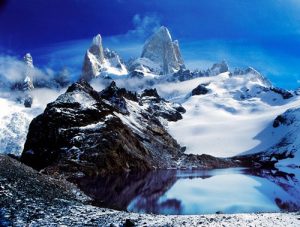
(85, 132)
(284, 93)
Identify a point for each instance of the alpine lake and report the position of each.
(180, 192)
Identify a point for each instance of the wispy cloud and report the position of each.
(144, 25)
(13, 70)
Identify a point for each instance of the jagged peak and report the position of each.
(163, 32)
(28, 60)
(113, 86)
(164, 52)
(113, 91)
(28, 55)
(97, 40)
(150, 92)
(250, 69)
(83, 86)
(220, 67)
(222, 63)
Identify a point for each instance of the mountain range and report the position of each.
(148, 113)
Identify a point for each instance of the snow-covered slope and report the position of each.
(14, 123)
(234, 117)
(286, 126)
(227, 113)
(15, 117)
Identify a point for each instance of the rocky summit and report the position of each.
(93, 59)
(85, 132)
(160, 55)
(98, 60)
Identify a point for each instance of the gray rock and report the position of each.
(93, 59)
(218, 68)
(200, 90)
(160, 49)
(28, 101)
(98, 61)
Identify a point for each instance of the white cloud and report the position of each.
(144, 25)
(13, 70)
(42, 96)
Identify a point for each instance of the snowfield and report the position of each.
(234, 118)
(14, 123)
(15, 118)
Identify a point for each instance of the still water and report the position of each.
(197, 192)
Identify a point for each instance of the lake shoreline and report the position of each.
(34, 199)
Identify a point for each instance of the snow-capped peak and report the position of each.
(161, 54)
(97, 40)
(164, 33)
(28, 60)
(97, 61)
(253, 75)
(28, 72)
(218, 68)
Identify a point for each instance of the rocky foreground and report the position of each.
(31, 198)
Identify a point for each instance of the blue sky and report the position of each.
(264, 34)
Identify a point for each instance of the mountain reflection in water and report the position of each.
(197, 191)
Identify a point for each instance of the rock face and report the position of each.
(114, 59)
(160, 49)
(93, 59)
(161, 55)
(200, 90)
(89, 133)
(218, 68)
(27, 85)
(97, 60)
(284, 93)
(98, 132)
(186, 74)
